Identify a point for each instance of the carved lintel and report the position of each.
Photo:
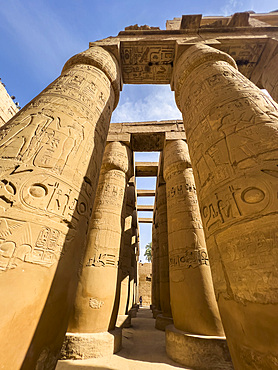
(123, 137)
(175, 135)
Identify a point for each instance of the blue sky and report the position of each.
(38, 36)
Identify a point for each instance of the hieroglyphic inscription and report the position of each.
(234, 203)
(16, 244)
(188, 258)
(147, 63)
(102, 260)
(246, 52)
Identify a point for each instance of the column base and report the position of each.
(132, 312)
(136, 306)
(80, 346)
(202, 352)
(123, 321)
(156, 312)
(162, 321)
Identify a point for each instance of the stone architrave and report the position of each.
(194, 308)
(165, 318)
(125, 259)
(231, 128)
(50, 157)
(96, 292)
(270, 75)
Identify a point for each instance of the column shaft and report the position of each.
(231, 128)
(166, 317)
(193, 302)
(125, 256)
(97, 284)
(50, 156)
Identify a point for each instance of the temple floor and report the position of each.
(143, 348)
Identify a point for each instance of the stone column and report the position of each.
(123, 319)
(91, 318)
(153, 305)
(231, 128)
(136, 258)
(194, 307)
(269, 77)
(50, 155)
(157, 308)
(165, 318)
(133, 279)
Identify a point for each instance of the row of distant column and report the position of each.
(51, 154)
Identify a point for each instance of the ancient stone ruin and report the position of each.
(69, 227)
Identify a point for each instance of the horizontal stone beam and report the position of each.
(144, 220)
(147, 169)
(145, 193)
(144, 208)
(146, 136)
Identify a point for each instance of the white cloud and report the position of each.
(157, 105)
(231, 6)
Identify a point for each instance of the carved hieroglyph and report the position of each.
(50, 157)
(193, 303)
(163, 251)
(149, 63)
(98, 281)
(231, 127)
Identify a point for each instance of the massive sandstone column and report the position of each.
(132, 302)
(92, 313)
(157, 308)
(135, 243)
(125, 260)
(153, 305)
(231, 127)
(193, 302)
(165, 318)
(50, 157)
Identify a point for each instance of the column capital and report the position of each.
(102, 59)
(117, 156)
(176, 157)
(192, 58)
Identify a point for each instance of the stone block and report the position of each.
(200, 352)
(80, 346)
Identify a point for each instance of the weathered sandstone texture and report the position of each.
(50, 158)
(97, 287)
(166, 315)
(194, 307)
(231, 128)
(145, 281)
